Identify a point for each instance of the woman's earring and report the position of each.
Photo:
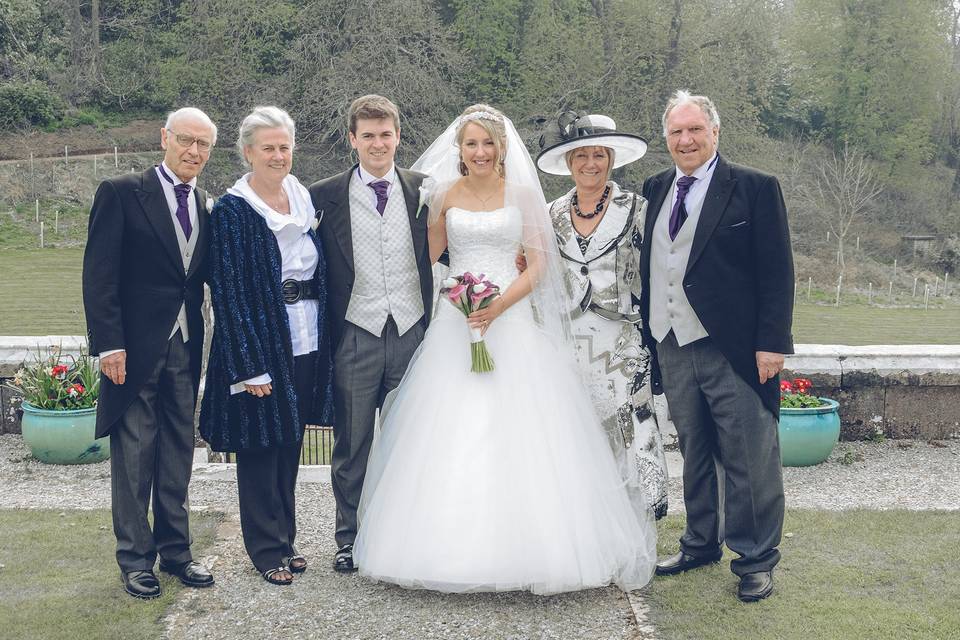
(462, 167)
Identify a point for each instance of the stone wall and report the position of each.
(901, 391)
(910, 391)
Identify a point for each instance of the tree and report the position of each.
(868, 72)
(846, 186)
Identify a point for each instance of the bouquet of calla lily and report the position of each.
(469, 293)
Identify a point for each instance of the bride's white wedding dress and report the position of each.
(497, 481)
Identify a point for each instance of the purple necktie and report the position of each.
(182, 192)
(679, 213)
(380, 188)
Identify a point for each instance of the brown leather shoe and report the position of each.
(683, 562)
(755, 586)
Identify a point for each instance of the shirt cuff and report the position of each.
(104, 354)
(241, 387)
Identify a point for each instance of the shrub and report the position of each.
(30, 103)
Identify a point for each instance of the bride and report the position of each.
(504, 480)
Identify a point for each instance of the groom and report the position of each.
(380, 288)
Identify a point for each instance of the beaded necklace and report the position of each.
(596, 211)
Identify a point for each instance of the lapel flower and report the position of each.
(209, 205)
(425, 190)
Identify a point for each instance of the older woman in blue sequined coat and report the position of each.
(599, 228)
(270, 368)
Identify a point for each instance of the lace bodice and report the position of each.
(485, 242)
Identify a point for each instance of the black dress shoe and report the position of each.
(755, 586)
(141, 584)
(683, 562)
(343, 561)
(192, 574)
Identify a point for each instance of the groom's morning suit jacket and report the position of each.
(331, 199)
(737, 279)
(135, 283)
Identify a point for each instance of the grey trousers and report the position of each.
(151, 453)
(724, 430)
(365, 369)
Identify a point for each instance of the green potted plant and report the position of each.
(59, 407)
(809, 425)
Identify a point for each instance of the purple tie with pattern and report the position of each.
(380, 188)
(182, 192)
(679, 213)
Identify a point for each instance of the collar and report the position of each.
(176, 179)
(301, 206)
(702, 171)
(366, 177)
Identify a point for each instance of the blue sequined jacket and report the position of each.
(251, 336)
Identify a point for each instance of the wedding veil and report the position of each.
(522, 193)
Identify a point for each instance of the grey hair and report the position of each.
(191, 113)
(682, 97)
(263, 118)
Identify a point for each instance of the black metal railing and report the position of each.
(317, 446)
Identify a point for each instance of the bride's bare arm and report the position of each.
(437, 237)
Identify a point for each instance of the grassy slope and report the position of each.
(852, 575)
(59, 578)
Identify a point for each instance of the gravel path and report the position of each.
(323, 604)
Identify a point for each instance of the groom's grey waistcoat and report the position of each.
(386, 281)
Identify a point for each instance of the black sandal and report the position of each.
(269, 576)
(296, 563)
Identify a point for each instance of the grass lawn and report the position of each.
(850, 575)
(40, 292)
(861, 324)
(59, 579)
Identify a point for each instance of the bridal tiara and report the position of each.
(480, 115)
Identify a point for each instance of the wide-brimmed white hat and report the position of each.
(572, 130)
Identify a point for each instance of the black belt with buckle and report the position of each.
(296, 290)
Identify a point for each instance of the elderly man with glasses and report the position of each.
(143, 273)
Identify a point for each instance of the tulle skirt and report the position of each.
(498, 481)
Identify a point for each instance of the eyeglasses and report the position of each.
(187, 141)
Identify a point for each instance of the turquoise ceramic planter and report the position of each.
(63, 437)
(807, 436)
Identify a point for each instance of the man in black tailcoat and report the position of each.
(143, 273)
(717, 305)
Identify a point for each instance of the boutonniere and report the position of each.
(316, 220)
(209, 204)
(425, 189)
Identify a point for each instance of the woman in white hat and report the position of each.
(599, 229)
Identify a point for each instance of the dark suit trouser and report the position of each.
(724, 429)
(267, 482)
(151, 451)
(365, 369)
